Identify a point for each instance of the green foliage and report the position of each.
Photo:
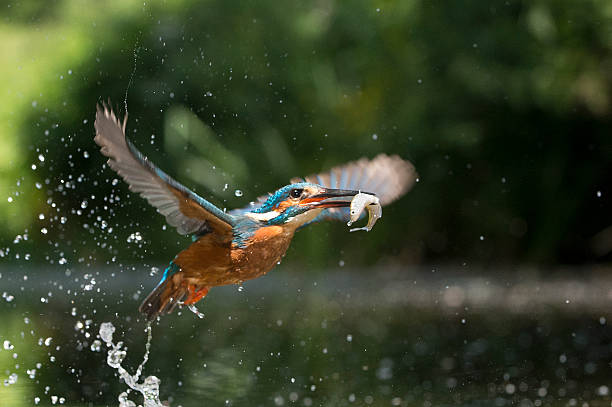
(504, 107)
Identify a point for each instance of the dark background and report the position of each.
(504, 107)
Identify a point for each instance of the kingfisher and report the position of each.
(242, 244)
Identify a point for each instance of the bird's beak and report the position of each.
(332, 198)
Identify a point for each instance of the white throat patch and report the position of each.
(305, 217)
(262, 217)
(296, 221)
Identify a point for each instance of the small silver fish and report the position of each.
(361, 202)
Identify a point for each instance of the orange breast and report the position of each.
(210, 262)
(206, 261)
(264, 251)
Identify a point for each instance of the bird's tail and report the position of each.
(163, 299)
(171, 291)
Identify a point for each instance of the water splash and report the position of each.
(196, 311)
(149, 388)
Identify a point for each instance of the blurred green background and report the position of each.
(504, 107)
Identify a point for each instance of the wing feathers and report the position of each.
(183, 209)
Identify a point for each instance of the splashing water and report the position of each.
(149, 388)
(193, 309)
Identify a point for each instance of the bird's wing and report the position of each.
(389, 177)
(183, 209)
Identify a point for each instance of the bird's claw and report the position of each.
(195, 294)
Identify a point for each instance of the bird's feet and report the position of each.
(195, 294)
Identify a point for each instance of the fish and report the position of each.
(361, 202)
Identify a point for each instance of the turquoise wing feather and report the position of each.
(183, 208)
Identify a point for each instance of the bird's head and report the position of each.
(299, 203)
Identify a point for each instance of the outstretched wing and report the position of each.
(389, 177)
(183, 209)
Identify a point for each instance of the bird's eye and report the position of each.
(296, 193)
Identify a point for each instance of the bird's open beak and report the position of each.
(332, 198)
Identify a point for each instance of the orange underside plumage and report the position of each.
(211, 262)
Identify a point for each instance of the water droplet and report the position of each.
(96, 346)
(115, 357)
(134, 237)
(196, 311)
(12, 379)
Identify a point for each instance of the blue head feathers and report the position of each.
(299, 203)
(281, 195)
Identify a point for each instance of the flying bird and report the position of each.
(242, 244)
